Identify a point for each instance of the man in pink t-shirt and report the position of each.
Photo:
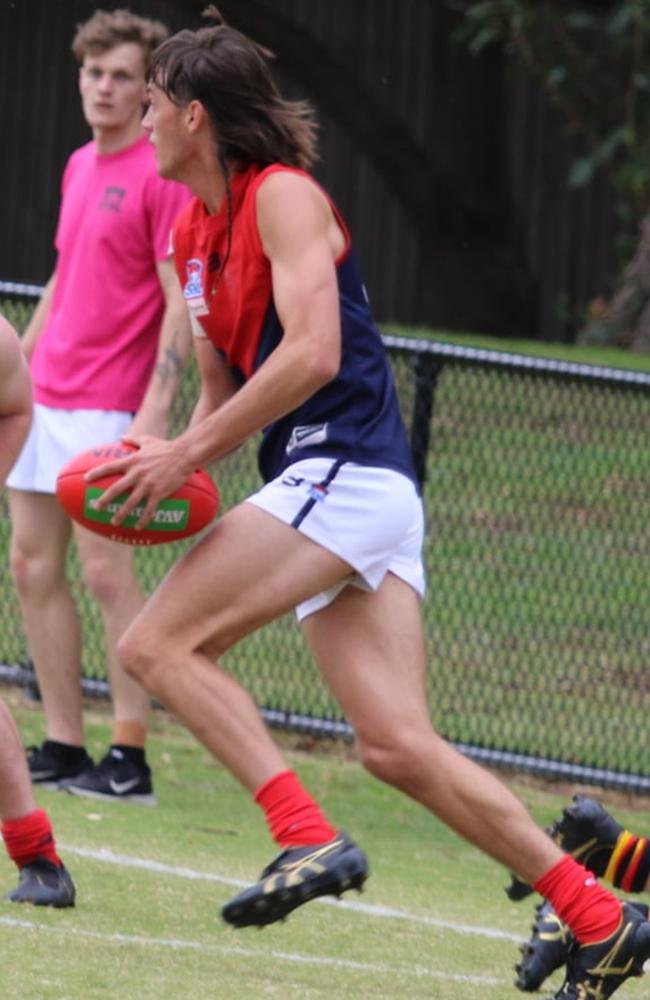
(106, 345)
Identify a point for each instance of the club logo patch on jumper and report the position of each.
(305, 436)
(193, 287)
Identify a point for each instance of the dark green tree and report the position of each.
(592, 61)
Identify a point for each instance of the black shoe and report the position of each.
(547, 949)
(116, 778)
(52, 763)
(297, 875)
(597, 970)
(44, 884)
(587, 832)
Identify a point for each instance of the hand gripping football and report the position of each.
(189, 509)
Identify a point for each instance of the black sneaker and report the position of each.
(297, 875)
(587, 832)
(595, 971)
(116, 778)
(43, 883)
(547, 949)
(52, 763)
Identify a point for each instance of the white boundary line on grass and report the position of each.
(370, 909)
(179, 944)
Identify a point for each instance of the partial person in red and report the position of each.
(287, 348)
(106, 346)
(26, 829)
(589, 833)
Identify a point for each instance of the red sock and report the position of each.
(294, 818)
(591, 911)
(30, 837)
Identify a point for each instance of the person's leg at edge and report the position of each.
(629, 865)
(26, 829)
(37, 561)
(370, 648)
(617, 855)
(589, 833)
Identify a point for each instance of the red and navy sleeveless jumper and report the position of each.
(356, 416)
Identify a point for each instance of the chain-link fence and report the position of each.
(535, 479)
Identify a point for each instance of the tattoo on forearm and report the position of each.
(171, 366)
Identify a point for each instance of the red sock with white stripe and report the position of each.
(293, 817)
(30, 837)
(590, 910)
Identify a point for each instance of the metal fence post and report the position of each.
(426, 371)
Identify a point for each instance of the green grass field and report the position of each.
(434, 921)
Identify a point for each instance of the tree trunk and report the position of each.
(624, 321)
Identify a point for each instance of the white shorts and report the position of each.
(55, 437)
(368, 516)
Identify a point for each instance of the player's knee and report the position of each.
(33, 575)
(22, 570)
(142, 657)
(392, 757)
(134, 655)
(105, 585)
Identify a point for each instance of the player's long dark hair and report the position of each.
(230, 75)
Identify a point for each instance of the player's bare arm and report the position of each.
(217, 386)
(15, 398)
(37, 322)
(217, 382)
(302, 241)
(174, 348)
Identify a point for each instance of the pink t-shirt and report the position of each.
(99, 343)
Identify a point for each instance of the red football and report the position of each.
(189, 509)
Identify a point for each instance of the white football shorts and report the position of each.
(369, 516)
(55, 437)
